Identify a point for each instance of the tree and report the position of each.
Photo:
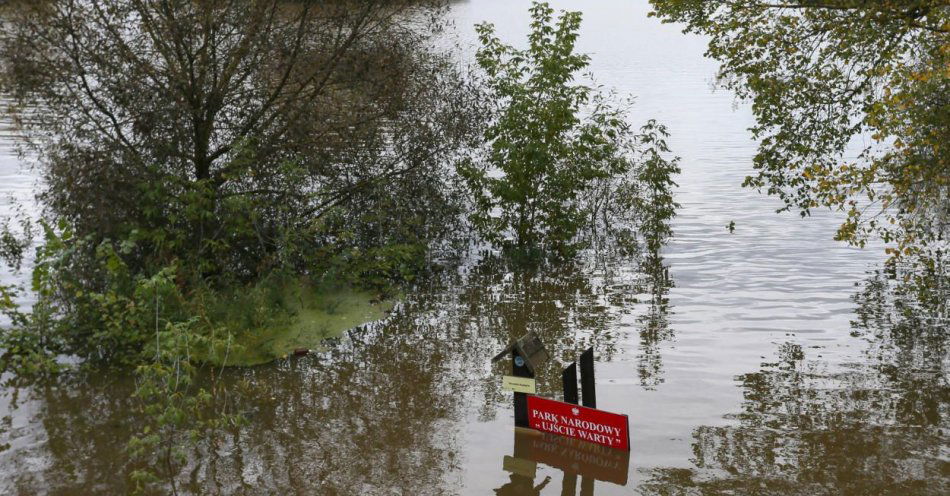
(196, 156)
(824, 75)
(562, 156)
(240, 135)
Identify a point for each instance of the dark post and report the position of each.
(588, 393)
(587, 486)
(569, 485)
(521, 399)
(569, 379)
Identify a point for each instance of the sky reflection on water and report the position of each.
(747, 362)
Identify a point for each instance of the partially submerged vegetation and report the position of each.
(224, 182)
(851, 103)
(228, 182)
(245, 157)
(195, 154)
(563, 165)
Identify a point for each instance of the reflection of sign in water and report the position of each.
(518, 384)
(573, 456)
(587, 424)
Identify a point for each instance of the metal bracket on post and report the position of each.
(530, 348)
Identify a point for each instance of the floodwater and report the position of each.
(771, 360)
(17, 185)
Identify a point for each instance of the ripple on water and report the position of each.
(734, 385)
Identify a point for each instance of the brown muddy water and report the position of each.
(772, 360)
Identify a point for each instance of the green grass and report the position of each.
(300, 317)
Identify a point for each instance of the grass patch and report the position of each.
(271, 321)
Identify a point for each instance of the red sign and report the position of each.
(579, 422)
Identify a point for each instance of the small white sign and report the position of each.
(518, 384)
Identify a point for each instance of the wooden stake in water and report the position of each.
(588, 392)
(569, 380)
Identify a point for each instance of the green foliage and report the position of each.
(558, 149)
(285, 158)
(655, 204)
(227, 154)
(824, 75)
(25, 351)
(105, 319)
(125, 320)
(178, 411)
(171, 329)
(13, 245)
(217, 177)
(120, 320)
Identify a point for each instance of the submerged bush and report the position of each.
(201, 160)
(223, 146)
(563, 164)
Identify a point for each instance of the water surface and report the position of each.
(770, 360)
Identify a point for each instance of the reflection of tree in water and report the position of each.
(362, 417)
(876, 427)
(906, 316)
(570, 306)
(372, 414)
(654, 323)
(80, 417)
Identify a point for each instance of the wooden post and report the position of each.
(569, 380)
(587, 486)
(521, 399)
(569, 485)
(588, 392)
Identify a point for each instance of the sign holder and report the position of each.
(527, 353)
(521, 399)
(588, 384)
